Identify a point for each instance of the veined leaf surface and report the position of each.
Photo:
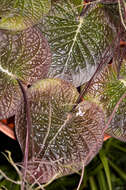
(60, 141)
(78, 44)
(25, 56)
(107, 89)
(18, 15)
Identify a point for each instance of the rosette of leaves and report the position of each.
(25, 56)
(61, 141)
(78, 43)
(21, 14)
(107, 89)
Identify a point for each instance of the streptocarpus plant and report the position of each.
(62, 140)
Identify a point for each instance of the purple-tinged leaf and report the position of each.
(25, 56)
(107, 89)
(61, 141)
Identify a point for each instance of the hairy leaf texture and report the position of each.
(107, 89)
(25, 56)
(78, 44)
(18, 15)
(60, 141)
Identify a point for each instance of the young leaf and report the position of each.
(21, 14)
(60, 141)
(25, 56)
(78, 44)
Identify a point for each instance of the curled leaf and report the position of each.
(60, 141)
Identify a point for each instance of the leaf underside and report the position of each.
(78, 45)
(25, 56)
(60, 141)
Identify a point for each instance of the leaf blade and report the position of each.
(77, 45)
(25, 56)
(20, 15)
(63, 141)
(106, 168)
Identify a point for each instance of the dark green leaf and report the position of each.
(120, 172)
(12, 175)
(101, 180)
(92, 183)
(106, 168)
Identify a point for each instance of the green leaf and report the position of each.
(60, 141)
(25, 56)
(78, 44)
(102, 180)
(106, 168)
(120, 172)
(92, 183)
(18, 15)
(12, 175)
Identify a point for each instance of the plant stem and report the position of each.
(29, 125)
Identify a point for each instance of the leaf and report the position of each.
(112, 9)
(120, 172)
(101, 180)
(25, 56)
(106, 167)
(22, 14)
(92, 183)
(107, 89)
(9, 171)
(60, 141)
(78, 44)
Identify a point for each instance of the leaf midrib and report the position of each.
(7, 72)
(74, 41)
(68, 119)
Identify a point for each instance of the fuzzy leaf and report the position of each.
(25, 56)
(78, 44)
(60, 141)
(21, 14)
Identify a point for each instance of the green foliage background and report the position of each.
(105, 172)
